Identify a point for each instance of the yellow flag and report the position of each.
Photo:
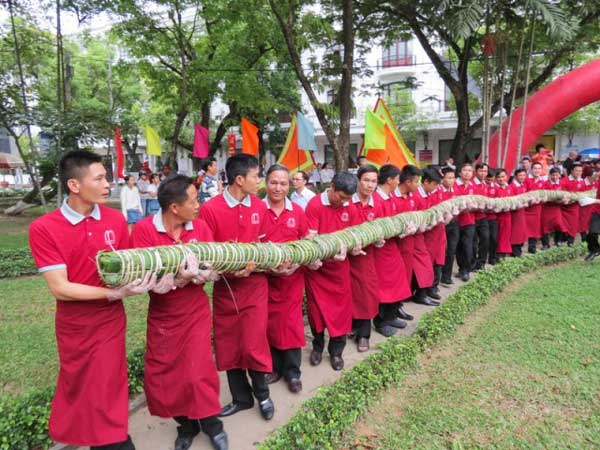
(152, 142)
(374, 131)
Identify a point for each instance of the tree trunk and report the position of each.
(136, 164)
(181, 116)
(345, 93)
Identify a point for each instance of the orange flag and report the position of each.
(249, 137)
(291, 156)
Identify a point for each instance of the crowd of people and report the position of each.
(257, 318)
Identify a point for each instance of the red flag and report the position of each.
(119, 152)
(231, 143)
(249, 137)
(201, 147)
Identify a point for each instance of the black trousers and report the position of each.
(557, 235)
(437, 276)
(464, 252)
(592, 242)
(241, 392)
(493, 242)
(335, 347)
(362, 328)
(387, 313)
(452, 237)
(211, 425)
(287, 362)
(481, 243)
(517, 250)
(125, 445)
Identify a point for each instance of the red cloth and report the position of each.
(389, 264)
(462, 188)
(481, 188)
(533, 213)
(363, 276)
(240, 311)
(413, 248)
(119, 153)
(585, 212)
(571, 212)
(328, 289)
(285, 328)
(90, 405)
(201, 147)
(551, 212)
(180, 377)
(435, 239)
(504, 219)
(492, 189)
(518, 229)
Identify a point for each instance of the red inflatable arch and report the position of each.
(546, 107)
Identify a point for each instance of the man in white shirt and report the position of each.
(142, 185)
(301, 195)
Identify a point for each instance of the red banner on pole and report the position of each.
(231, 143)
(120, 156)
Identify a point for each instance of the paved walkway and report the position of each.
(247, 428)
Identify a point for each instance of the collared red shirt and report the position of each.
(323, 218)
(289, 225)
(65, 239)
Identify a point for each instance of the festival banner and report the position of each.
(153, 146)
(201, 146)
(119, 153)
(293, 156)
(249, 137)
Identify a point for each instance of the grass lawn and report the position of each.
(524, 372)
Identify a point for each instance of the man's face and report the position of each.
(482, 173)
(144, 177)
(393, 182)
(166, 170)
(448, 180)
(337, 198)
(189, 209)
(521, 177)
(466, 173)
(554, 177)
(298, 181)
(92, 187)
(367, 184)
(577, 171)
(536, 170)
(430, 186)
(490, 179)
(212, 169)
(413, 184)
(249, 183)
(526, 164)
(501, 178)
(362, 161)
(572, 155)
(278, 185)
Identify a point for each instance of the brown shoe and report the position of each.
(337, 363)
(294, 385)
(315, 358)
(273, 377)
(363, 345)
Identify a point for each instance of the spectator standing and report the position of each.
(315, 176)
(211, 185)
(301, 194)
(142, 185)
(152, 205)
(327, 173)
(131, 203)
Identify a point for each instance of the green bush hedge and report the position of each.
(322, 420)
(16, 263)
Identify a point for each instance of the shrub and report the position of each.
(16, 263)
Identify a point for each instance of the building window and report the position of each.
(398, 54)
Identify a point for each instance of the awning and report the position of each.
(10, 161)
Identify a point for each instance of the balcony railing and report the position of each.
(396, 61)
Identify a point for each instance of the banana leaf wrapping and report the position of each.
(117, 268)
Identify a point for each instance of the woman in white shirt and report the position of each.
(152, 190)
(131, 203)
(326, 173)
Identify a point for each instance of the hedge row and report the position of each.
(16, 263)
(322, 420)
(24, 419)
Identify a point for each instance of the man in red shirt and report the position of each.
(533, 213)
(240, 300)
(90, 405)
(481, 239)
(284, 221)
(594, 225)
(571, 212)
(328, 288)
(180, 377)
(452, 228)
(466, 220)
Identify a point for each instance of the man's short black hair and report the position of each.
(500, 170)
(491, 172)
(409, 172)
(207, 162)
(448, 169)
(537, 163)
(304, 175)
(481, 166)
(173, 190)
(431, 174)
(554, 170)
(519, 170)
(387, 171)
(369, 168)
(538, 146)
(74, 165)
(239, 165)
(359, 157)
(345, 181)
(275, 168)
(525, 158)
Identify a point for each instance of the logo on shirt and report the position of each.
(345, 217)
(291, 222)
(255, 219)
(109, 238)
(192, 240)
(370, 216)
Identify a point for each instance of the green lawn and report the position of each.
(523, 373)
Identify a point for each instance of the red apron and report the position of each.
(571, 212)
(551, 213)
(533, 214)
(240, 323)
(435, 239)
(518, 234)
(504, 223)
(389, 265)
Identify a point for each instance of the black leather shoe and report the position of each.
(426, 301)
(232, 408)
(219, 442)
(434, 294)
(267, 409)
(273, 377)
(294, 385)
(315, 358)
(184, 441)
(337, 362)
(464, 276)
(447, 281)
(402, 314)
(362, 345)
(386, 330)
(591, 256)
